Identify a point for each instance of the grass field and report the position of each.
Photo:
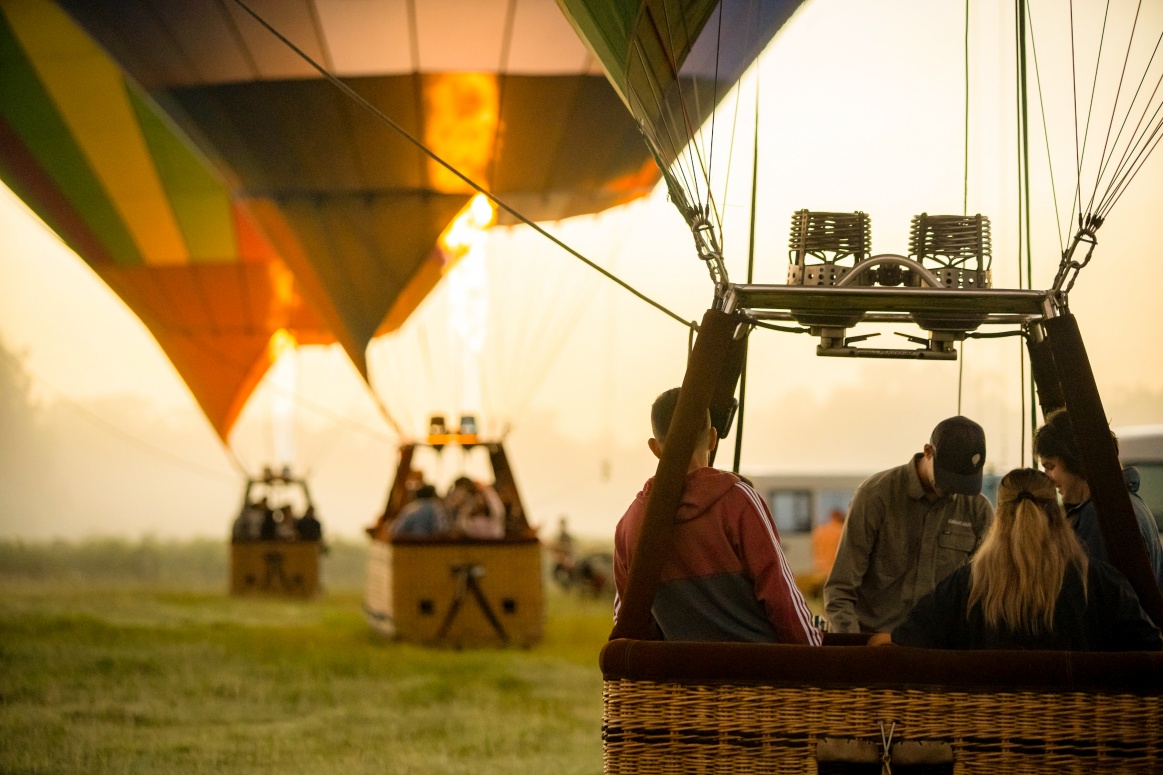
(124, 658)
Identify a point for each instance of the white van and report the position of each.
(1141, 446)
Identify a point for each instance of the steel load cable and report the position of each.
(379, 114)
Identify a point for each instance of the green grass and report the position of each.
(129, 676)
(198, 564)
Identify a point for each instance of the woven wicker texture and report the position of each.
(657, 727)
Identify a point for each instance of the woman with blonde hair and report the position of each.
(1031, 586)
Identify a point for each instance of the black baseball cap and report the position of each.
(958, 456)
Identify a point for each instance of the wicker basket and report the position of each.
(456, 592)
(275, 568)
(741, 708)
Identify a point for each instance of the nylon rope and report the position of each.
(503, 78)
(694, 152)
(691, 149)
(362, 102)
(731, 151)
(651, 133)
(1023, 194)
(964, 196)
(750, 278)
(714, 103)
(707, 166)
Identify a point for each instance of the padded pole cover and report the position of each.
(1100, 458)
(705, 365)
(725, 412)
(1045, 373)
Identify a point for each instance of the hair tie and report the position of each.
(1025, 495)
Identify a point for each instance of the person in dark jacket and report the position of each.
(269, 528)
(308, 526)
(908, 528)
(1057, 450)
(1031, 585)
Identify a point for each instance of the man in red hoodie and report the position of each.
(727, 578)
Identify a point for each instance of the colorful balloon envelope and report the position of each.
(226, 191)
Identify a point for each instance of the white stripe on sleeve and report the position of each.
(798, 604)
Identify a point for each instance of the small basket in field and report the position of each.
(275, 568)
(457, 593)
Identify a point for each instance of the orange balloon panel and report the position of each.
(216, 323)
(504, 91)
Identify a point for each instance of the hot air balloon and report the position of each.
(107, 170)
(502, 91)
(184, 137)
(241, 205)
(782, 708)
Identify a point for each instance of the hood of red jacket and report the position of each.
(704, 486)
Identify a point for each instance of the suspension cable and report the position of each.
(373, 110)
(1090, 107)
(1133, 150)
(1045, 132)
(698, 164)
(1074, 91)
(1110, 125)
(750, 278)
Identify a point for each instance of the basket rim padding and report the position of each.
(895, 667)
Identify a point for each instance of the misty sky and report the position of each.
(861, 107)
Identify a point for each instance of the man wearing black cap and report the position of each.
(907, 529)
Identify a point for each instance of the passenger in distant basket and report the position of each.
(726, 578)
(286, 529)
(908, 528)
(460, 493)
(269, 528)
(424, 516)
(308, 526)
(482, 515)
(1030, 586)
(1057, 450)
(248, 525)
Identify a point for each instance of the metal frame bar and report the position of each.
(754, 298)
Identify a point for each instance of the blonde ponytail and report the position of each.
(1018, 572)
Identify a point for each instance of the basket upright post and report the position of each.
(1100, 457)
(706, 363)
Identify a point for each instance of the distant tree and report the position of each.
(21, 443)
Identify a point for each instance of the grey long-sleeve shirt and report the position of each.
(897, 544)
